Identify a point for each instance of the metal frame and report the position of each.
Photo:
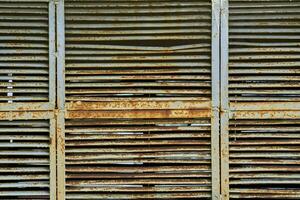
(60, 131)
(50, 105)
(241, 110)
(224, 145)
(215, 103)
(42, 115)
(140, 108)
(60, 34)
(60, 22)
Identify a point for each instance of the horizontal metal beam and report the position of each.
(259, 106)
(26, 106)
(138, 114)
(22, 115)
(268, 114)
(138, 105)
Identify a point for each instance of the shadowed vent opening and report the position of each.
(264, 50)
(24, 159)
(264, 159)
(24, 45)
(138, 159)
(144, 49)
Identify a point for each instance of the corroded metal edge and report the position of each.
(26, 115)
(138, 105)
(215, 104)
(224, 120)
(259, 106)
(138, 114)
(266, 114)
(60, 135)
(26, 106)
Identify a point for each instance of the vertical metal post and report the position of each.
(215, 70)
(52, 98)
(60, 100)
(52, 57)
(60, 131)
(52, 153)
(224, 102)
(60, 55)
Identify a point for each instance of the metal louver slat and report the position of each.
(138, 158)
(27, 48)
(264, 51)
(137, 49)
(264, 158)
(27, 158)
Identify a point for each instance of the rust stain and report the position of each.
(136, 105)
(138, 114)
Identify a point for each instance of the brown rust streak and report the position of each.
(139, 114)
(25, 115)
(265, 114)
(137, 105)
(264, 106)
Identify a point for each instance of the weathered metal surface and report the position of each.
(136, 105)
(23, 115)
(27, 55)
(215, 100)
(266, 114)
(141, 159)
(60, 134)
(140, 49)
(155, 99)
(27, 158)
(264, 158)
(224, 104)
(259, 106)
(138, 114)
(25, 106)
(260, 124)
(264, 51)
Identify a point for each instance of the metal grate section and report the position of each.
(24, 54)
(147, 49)
(264, 59)
(138, 159)
(25, 159)
(264, 159)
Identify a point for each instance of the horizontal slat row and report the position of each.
(24, 159)
(138, 158)
(264, 158)
(157, 49)
(264, 51)
(24, 54)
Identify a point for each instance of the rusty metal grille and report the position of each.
(138, 158)
(149, 99)
(264, 52)
(27, 63)
(25, 156)
(264, 158)
(138, 49)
